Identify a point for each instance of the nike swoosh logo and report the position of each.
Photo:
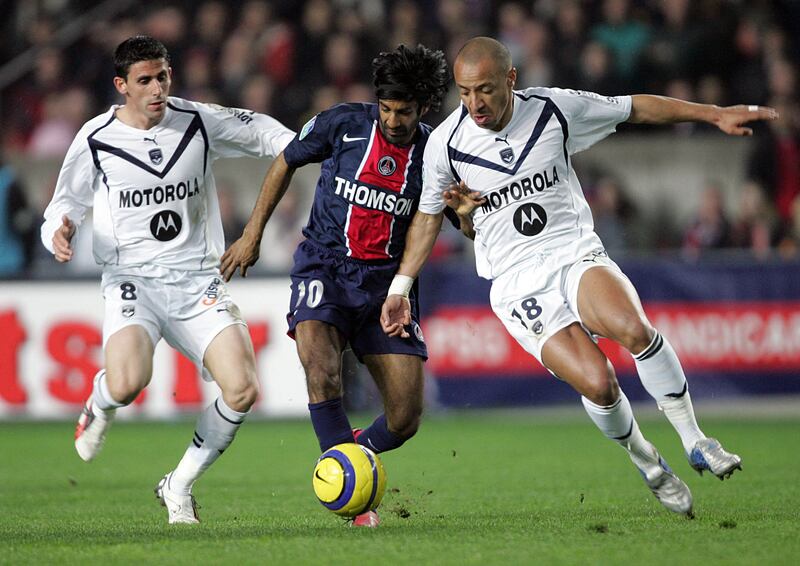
(347, 138)
(319, 477)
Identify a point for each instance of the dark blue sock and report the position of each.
(378, 438)
(330, 423)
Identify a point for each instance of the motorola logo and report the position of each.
(166, 225)
(530, 219)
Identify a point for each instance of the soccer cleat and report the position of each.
(181, 508)
(367, 519)
(708, 454)
(90, 433)
(670, 490)
(356, 433)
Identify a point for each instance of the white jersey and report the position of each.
(535, 209)
(152, 191)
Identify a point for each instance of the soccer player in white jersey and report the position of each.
(553, 286)
(145, 169)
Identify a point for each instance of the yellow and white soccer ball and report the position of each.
(349, 479)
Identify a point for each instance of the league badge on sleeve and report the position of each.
(307, 128)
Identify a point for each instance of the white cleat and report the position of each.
(708, 454)
(670, 490)
(181, 508)
(90, 433)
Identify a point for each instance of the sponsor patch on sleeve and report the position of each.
(307, 128)
(587, 94)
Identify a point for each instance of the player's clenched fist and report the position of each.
(62, 247)
(396, 315)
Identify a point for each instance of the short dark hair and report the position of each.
(419, 74)
(135, 49)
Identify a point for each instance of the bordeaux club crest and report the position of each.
(507, 155)
(156, 156)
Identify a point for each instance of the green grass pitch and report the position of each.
(471, 488)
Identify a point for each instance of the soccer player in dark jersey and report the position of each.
(366, 195)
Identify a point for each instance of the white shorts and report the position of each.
(187, 309)
(536, 302)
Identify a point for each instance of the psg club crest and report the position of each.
(156, 156)
(507, 155)
(387, 165)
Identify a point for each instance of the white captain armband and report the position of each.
(401, 285)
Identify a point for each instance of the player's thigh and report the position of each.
(134, 312)
(230, 360)
(128, 361)
(531, 309)
(201, 310)
(319, 347)
(608, 304)
(400, 380)
(574, 357)
(325, 288)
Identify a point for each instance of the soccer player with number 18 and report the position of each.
(503, 160)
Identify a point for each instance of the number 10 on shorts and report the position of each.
(315, 289)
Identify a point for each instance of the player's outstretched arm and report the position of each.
(62, 240)
(396, 311)
(463, 201)
(650, 109)
(245, 251)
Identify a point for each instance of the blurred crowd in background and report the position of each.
(291, 59)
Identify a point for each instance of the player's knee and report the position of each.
(242, 396)
(323, 383)
(635, 334)
(124, 387)
(601, 387)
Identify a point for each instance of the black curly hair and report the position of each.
(419, 74)
(135, 49)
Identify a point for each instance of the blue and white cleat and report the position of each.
(670, 490)
(708, 454)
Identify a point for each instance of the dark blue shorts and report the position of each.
(348, 294)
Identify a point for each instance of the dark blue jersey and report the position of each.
(368, 189)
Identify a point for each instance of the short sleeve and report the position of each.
(237, 132)
(314, 142)
(436, 175)
(590, 117)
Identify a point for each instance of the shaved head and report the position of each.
(479, 49)
(485, 79)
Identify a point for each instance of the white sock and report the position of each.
(662, 376)
(617, 422)
(215, 431)
(102, 401)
